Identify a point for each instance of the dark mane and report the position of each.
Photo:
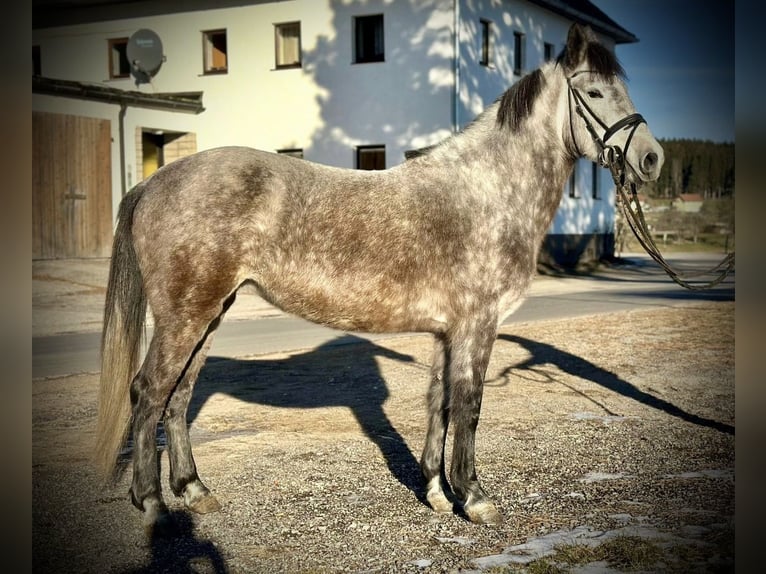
(413, 153)
(600, 60)
(516, 103)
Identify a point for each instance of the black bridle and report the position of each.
(615, 159)
(610, 156)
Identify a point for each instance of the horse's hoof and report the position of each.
(197, 498)
(436, 497)
(483, 513)
(439, 503)
(205, 505)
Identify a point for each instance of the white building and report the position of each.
(351, 83)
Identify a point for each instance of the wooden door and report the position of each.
(71, 186)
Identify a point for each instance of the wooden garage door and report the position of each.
(71, 186)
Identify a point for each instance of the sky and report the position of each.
(681, 71)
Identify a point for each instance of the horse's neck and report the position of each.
(528, 168)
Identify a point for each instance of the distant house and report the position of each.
(350, 83)
(688, 202)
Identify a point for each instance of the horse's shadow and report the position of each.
(543, 353)
(354, 381)
(183, 553)
(300, 382)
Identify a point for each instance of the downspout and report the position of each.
(121, 122)
(456, 94)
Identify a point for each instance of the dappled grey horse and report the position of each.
(445, 243)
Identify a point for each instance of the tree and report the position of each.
(695, 166)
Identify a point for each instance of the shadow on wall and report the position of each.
(407, 100)
(402, 102)
(481, 84)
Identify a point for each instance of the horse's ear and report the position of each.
(577, 43)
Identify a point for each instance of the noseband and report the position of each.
(609, 156)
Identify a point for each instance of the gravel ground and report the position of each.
(618, 423)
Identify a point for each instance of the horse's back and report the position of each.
(213, 177)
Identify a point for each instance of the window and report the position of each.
(214, 55)
(595, 178)
(371, 157)
(486, 43)
(119, 67)
(294, 152)
(547, 51)
(368, 39)
(519, 55)
(573, 182)
(287, 40)
(36, 67)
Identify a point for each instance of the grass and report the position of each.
(543, 566)
(623, 553)
(626, 553)
(634, 554)
(629, 553)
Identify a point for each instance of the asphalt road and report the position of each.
(62, 355)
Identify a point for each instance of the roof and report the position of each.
(691, 197)
(585, 12)
(50, 13)
(178, 101)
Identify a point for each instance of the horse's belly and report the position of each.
(356, 306)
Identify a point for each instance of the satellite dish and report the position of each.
(144, 52)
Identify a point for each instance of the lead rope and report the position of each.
(637, 223)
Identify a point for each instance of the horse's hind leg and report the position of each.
(184, 480)
(468, 357)
(171, 354)
(432, 460)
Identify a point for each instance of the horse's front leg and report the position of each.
(468, 355)
(432, 460)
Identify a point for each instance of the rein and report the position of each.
(614, 158)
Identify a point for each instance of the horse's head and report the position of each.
(602, 123)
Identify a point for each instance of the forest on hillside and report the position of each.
(694, 166)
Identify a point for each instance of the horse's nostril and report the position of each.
(649, 162)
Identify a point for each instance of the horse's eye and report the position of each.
(595, 94)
